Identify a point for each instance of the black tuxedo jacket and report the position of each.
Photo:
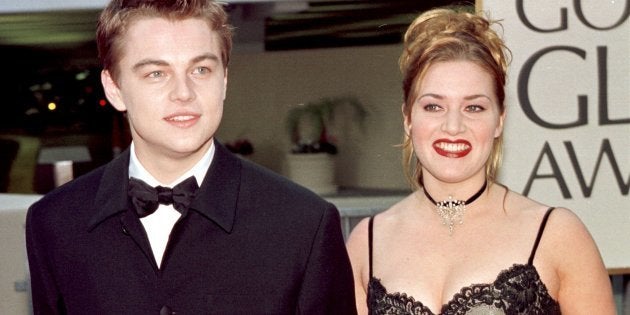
(252, 243)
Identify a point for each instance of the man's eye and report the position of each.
(202, 70)
(155, 74)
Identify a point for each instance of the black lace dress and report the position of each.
(517, 290)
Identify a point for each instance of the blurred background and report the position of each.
(286, 53)
(56, 124)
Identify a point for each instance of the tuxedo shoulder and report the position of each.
(77, 193)
(273, 187)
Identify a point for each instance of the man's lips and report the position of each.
(453, 149)
(182, 119)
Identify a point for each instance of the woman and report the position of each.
(461, 243)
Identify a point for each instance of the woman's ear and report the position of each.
(406, 120)
(112, 91)
(499, 130)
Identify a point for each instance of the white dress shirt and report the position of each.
(159, 224)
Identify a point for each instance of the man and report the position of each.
(245, 242)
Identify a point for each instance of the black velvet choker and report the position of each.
(452, 210)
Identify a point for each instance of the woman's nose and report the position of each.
(453, 123)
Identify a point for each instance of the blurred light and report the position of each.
(102, 102)
(52, 106)
(82, 75)
(32, 111)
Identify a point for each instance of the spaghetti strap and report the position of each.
(370, 225)
(539, 236)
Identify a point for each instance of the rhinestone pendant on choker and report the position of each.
(452, 210)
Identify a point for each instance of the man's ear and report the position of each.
(112, 92)
(225, 80)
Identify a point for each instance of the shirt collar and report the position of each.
(199, 170)
(216, 201)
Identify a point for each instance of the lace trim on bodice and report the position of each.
(517, 290)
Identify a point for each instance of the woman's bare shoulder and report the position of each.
(359, 235)
(517, 202)
(399, 209)
(578, 263)
(560, 218)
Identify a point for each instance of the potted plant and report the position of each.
(307, 124)
(310, 162)
(241, 147)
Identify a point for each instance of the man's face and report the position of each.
(172, 83)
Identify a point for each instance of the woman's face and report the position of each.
(454, 120)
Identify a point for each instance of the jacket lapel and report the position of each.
(111, 199)
(216, 200)
(218, 194)
(132, 227)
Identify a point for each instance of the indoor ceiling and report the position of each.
(262, 25)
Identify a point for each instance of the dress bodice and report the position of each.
(516, 290)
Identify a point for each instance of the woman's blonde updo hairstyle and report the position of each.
(442, 35)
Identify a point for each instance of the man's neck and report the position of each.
(167, 169)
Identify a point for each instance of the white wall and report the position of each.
(558, 151)
(263, 86)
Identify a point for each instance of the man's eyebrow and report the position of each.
(158, 62)
(147, 62)
(208, 56)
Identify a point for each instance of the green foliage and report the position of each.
(319, 114)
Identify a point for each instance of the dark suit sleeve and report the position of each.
(45, 296)
(328, 286)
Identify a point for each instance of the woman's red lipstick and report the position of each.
(452, 149)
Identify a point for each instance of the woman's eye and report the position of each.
(432, 107)
(474, 108)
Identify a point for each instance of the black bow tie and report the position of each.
(146, 199)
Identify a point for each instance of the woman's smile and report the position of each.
(452, 149)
